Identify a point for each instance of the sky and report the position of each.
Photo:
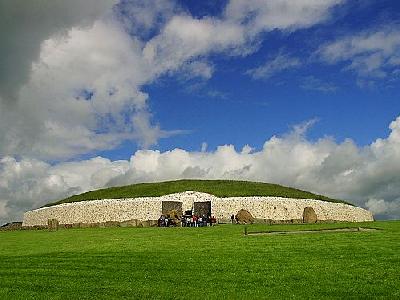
(100, 93)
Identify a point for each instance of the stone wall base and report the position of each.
(129, 223)
(154, 223)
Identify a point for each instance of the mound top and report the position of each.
(218, 188)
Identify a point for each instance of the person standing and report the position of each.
(233, 219)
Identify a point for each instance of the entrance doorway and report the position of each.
(202, 208)
(172, 208)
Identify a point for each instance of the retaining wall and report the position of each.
(150, 208)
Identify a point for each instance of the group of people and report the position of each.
(167, 221)
(198, 221)
(186, 221)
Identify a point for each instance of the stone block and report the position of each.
(309, 215)
(244, 217)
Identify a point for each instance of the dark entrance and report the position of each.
(171, 208)
(202, 208)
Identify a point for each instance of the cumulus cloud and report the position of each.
(31, 183)
(276, 65)
(24, 26)
(380, 207)
(370, 54)
(367, 176)
(83, 94)
(87, 63)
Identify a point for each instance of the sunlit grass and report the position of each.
(218, 262)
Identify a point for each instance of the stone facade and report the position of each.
(150, 208)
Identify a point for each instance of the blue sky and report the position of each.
(100, 93)
(231, 107)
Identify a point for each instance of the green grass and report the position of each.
(219, 188)
(209, 263)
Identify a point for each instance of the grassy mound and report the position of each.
(219, 188)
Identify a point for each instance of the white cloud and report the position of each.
(382, 207)
(144, 18)
(24, 26)
(84, 89)
(372, 54)
(184, 38)
(198, 69)
(83, 94)
(276, 65)
(30, 183)
(235, 33)
(261, 15)
(367, 176)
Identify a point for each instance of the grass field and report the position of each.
(219, 188)
(194, 263)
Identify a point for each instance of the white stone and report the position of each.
(149, 208)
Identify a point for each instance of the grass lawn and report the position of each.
(219, 188)
(193, 263)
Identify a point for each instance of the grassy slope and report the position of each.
(218, 262)
(220, 188)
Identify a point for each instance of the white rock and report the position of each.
(150, 208)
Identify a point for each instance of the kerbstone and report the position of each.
(309, 215)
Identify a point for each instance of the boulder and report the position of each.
(309, 215)
(244, 217)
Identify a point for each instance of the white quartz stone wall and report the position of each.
(276, 208)
(149, 208)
